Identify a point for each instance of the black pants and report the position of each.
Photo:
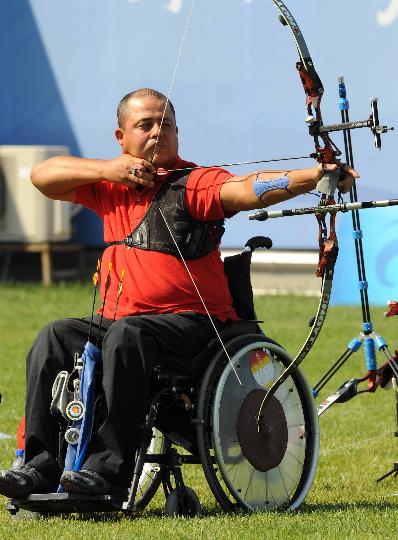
(130, 349)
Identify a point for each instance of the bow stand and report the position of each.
(367, 337)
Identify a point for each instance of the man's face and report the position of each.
(140, 131)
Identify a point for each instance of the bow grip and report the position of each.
(328, 183)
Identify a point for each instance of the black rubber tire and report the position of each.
(172, 506)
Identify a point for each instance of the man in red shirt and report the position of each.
(167, 290)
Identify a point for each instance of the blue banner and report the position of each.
(238, 97)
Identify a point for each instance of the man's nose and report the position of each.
(156, 130)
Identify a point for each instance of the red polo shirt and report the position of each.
(157, 282)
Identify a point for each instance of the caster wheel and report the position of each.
(189, 507)
(12, 510)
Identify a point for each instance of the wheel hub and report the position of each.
(263, 444)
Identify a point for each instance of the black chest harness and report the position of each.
(194, 238)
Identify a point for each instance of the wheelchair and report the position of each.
(251, 463)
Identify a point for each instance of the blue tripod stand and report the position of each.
(368, 338)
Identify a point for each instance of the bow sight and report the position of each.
(372, 122)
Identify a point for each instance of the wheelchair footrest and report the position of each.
(65, 503)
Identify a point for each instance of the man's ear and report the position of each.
(177, 130)
(119, 135)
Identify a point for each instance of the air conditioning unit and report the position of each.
(25, 214)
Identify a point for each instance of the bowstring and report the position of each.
(161, 213)
(198, 293)
(173, 76)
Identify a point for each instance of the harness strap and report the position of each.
(129, 242)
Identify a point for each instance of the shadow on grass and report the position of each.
(211, 512)
(339, 506)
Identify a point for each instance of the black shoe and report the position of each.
(89, 483)
(22, 482)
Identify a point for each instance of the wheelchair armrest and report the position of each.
(171, 377)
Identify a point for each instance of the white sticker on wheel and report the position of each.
(262, 368)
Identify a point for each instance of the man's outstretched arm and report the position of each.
(258, 190)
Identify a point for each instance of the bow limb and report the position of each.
(313, 88)
(316, 326)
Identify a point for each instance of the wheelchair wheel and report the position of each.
(189, 508)
(151, 474)
(249, 464)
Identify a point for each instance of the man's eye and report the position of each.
(145, 126)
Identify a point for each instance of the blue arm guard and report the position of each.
(263, 186)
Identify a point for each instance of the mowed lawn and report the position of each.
(357, 442)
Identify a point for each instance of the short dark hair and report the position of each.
(122, 108)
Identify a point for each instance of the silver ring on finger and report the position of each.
(134, 172)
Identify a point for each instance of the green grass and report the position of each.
(357, 445)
